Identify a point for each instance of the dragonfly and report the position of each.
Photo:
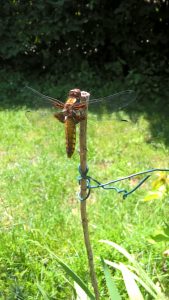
(73, 111)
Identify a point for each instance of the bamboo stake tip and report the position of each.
(85, 95)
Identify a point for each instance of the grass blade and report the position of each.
(141, 273)
(76, 278)
(146, 287)
(131, 286)
(68, 271)
(81, 295)
(113, 291)
(45, 297)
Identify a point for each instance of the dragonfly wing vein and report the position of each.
(114, 102)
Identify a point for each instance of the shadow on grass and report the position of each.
(157, 115)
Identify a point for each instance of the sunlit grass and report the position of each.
(39, 202)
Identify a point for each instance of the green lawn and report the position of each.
(39, 202)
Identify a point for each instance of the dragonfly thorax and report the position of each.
(68, 108)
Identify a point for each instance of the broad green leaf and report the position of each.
(162, 180)
(160, 238)
(153, 196)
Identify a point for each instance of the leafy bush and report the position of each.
(56, 37)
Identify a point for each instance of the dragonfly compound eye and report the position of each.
(75, 93)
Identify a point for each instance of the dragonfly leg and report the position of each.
(58, 105)
(79, 106)
(60, 117)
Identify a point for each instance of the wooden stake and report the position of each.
(83, 192)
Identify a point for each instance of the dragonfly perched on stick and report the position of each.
(73, 110)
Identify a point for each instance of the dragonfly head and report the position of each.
(75, 93)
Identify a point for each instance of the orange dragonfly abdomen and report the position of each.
(70, 131)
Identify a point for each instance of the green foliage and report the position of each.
(56, 45)
(161, 235)
(159, 187)
(39, 203)
(133, 273)
(86, 42)
(69, 272)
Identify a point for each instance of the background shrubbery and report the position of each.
(89, 44)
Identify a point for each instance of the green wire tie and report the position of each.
(105, 186)
(83, 175)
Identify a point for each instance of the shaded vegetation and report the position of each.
(56, 37)
(85, 44)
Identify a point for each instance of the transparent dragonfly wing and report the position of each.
(112, 103)
(46, 100)
(45, 107)
(42, 107)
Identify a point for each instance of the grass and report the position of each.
(39, 203)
